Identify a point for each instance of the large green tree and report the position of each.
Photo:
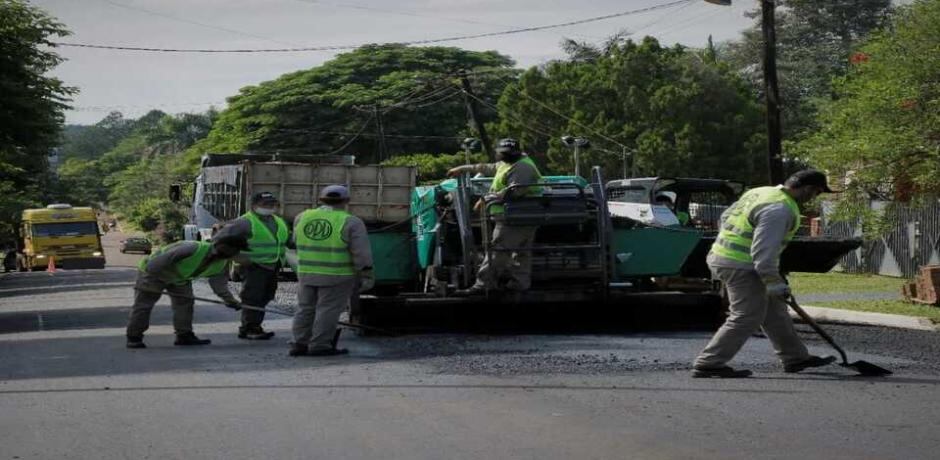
(679, 112)
(815, 40)
(882, 131)
(342, 106)
(31, 107)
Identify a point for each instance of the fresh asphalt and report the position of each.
(69, 389)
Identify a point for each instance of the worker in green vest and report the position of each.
(334, 262)
(746, 259)
(267, 236)
(663, 199)
(513, 168)
(171, 270)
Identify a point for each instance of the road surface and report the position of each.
(69, 389)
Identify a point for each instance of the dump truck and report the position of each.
(379, 195)
(65, 235)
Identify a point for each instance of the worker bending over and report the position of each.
(267, 236)
(334, 262)
(746, 259)
(513, 168)
(172, 269)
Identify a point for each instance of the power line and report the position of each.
(349, 47)
(191, 22)
(353, 139)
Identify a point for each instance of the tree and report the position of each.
(882, 131)
(31, 106)
(678, 113)
(433, 168)
(344, 105)
(814, 42)
(90, 142)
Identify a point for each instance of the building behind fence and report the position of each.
(912, 241)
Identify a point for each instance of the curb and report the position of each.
(835, 315)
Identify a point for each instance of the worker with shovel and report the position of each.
(172, 269)
(514, 168)
(746, 259)
(334, 261)
(267, 236)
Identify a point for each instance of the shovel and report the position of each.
(864, 368)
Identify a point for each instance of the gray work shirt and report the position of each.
(519, 173)
(356, 236)
(242, 227)
(161, 267)
(771, 224)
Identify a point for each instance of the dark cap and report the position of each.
(809, 177)
(264, 198)
(508, 145)
(334, 192)
(234, 241)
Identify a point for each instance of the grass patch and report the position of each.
(824, 283)
(894, 307)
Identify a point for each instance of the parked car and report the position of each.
(141, 245)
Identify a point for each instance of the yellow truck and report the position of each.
(68, 236)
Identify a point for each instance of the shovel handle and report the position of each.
(791, 301)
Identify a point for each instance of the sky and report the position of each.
(135, 82)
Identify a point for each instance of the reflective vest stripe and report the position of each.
(266, 247)
(320, 246)
(737, 234)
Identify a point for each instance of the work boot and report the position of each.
(723, 372)
(297, 349)
(254, 333)
(328, 352)
(812, 361)
(189, 338)
(136, 342)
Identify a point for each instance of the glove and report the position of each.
(366, 280)
(233, 304)
(778, 289)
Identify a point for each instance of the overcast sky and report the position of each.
(134, 82)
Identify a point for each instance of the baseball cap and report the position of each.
(264, 198)
(809, 177)
(334, 192)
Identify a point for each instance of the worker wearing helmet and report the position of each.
(746, 259)
(513, 168)
(663, 199)
(172, 269)
(334, 261)
(267, 236)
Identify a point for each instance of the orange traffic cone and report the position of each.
(51, 268)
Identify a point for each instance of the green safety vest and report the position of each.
(320, 246)
(499, 181)
(683, 217)
(185, 269)
(266, 248)
(737, 234)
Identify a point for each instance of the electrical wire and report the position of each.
(349, 47)
(353, 139)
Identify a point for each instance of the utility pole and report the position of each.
(380, 134)
(771, 91)
(774, 130)
(473, 110)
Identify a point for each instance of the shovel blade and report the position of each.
(868, 369)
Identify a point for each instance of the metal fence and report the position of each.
(912, 240)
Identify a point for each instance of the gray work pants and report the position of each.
(750, 308)
(514, 267)
(147, 292)
(318, 312)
